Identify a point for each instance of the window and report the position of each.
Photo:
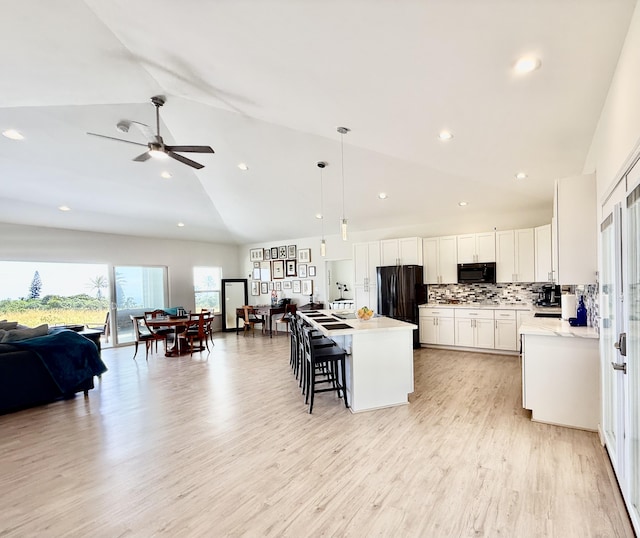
(206, 286)
(33, 293)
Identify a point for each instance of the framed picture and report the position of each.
(265, 271)
(264, 288)
(272, 286)
(282, 253)
(286, 285)
(296, 286)
(278, 286)
(256, 272)
(304, 255)
(255, 287)
(256, 264)
(255, 254)
(290, 269)
(267, 254)
(307, 287)
(312, 270)
(302, 270)
(274, 253)
(278, 268)
(291, 252)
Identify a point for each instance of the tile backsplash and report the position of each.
(520, 293)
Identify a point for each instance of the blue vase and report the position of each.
(581, 314)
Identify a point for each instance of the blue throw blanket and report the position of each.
(69, 357)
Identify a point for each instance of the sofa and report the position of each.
(43, 369)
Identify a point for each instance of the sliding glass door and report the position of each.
(632, 426)
(137, 289)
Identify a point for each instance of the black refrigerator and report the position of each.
(400, 291)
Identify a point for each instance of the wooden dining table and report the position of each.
(176, 323)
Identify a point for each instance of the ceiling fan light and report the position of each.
(158, 154)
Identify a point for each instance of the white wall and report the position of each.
(31, 243)
(618, 133)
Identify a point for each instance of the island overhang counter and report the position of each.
(379, 357)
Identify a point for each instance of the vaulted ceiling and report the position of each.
(267, 82)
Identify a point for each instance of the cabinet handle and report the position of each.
(496, 324)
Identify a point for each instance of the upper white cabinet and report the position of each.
(406, 251)
(477, 248)
(440, 260)
(544, 266)
(515, 256)
(366, 257)
(575, 231)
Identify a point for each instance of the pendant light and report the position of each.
(343, 221)
(323, 243)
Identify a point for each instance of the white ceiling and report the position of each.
(267, 82)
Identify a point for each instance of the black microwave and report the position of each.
(477, 273)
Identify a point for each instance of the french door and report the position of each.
(620, 339)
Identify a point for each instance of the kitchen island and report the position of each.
(560, 373)
(380, 357)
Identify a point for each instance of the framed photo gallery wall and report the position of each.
(281, 268)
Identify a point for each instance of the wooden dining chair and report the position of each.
(251, 320)
(196, 331)
(289, 311)
(144, 334)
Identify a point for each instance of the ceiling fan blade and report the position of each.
(143, 157)
(192, 149)
(184, 160)
(118, 139)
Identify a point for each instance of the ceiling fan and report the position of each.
(156, 146)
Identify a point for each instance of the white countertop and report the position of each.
(376, 324)
(555, 327)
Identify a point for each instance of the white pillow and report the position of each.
(15, 335)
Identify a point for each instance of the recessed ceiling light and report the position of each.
(526, 64)
(243, 167)
(445, 135)
(319, 216)
(13, 134)
(180, 224)
(165, 175)
(462, 204)
(521, 175)
(382, 196)
(64, 208)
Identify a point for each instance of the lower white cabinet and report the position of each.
(436, 326)
(506, 330)
(366, 296)
(474, 328)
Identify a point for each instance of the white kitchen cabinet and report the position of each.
(440, 260)
(477, 248)
(404, 251)
(366, 257)
(474, 328)
(506, 330)
(515, 260)
(560, 378)
(437, 326)
(542, 240)
(575, 231)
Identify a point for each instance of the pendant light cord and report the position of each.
(342, 167)
(321, 205)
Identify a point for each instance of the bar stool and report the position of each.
(330, 361)
(317, 340)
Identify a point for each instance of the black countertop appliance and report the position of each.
(549, 295)
(400, 291)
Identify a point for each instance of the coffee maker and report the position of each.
(549, 295)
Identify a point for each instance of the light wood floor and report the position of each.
(222, 445)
